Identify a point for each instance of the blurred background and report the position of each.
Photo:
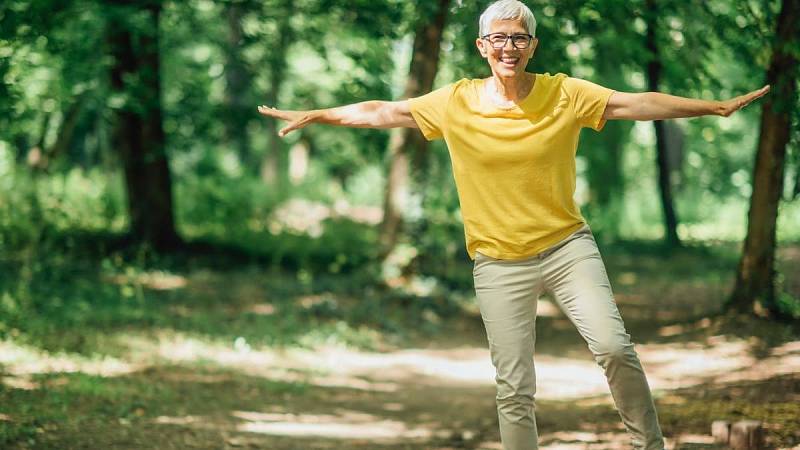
(145, 205)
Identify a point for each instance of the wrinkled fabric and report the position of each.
(574, 274)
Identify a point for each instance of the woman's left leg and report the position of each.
(576, 276)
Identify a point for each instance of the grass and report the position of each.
(100, 337)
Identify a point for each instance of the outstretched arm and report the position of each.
(658, 106)
(369, 114)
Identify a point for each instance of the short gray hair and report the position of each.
(507, 10)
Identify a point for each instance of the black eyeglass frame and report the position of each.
(509, 36)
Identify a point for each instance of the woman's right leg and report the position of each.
(507, 292)
(576, 276)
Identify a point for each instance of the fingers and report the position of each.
(272, 112)
(744, 100)
(757, 94)
(296, 119)
(285, 130)
(761, 92)
(297, 124)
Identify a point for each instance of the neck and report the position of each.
(512, 89)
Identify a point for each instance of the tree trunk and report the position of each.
(44, 155)
(275, 166)
(66, 131)
(137, 133)
(664, 183)
(796, 190)
(237, 79)
(674, 139)
(604, 153)
(407, 143)
(754, 289)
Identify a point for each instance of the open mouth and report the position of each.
(509, 61)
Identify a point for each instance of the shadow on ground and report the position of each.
(247, 358)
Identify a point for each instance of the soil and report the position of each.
(437, 392)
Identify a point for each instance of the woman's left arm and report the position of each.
(658, 106)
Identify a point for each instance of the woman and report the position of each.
(512, 140)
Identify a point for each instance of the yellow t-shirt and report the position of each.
(514, 168)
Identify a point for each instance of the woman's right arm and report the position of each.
(369, 114)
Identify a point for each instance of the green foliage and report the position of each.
(264, 268)
(326, 53)
(787, 303)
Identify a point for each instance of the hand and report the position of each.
(731, 106)
(296, 119)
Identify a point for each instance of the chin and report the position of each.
(507, 73)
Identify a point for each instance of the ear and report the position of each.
(534, 44)
(480, 44)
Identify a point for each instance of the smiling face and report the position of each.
(507, 62)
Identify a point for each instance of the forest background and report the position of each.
(132, 156)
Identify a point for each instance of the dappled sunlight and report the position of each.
(565, 378)
(337, 418)
(290, 365)
(696, 441)
(557, 378)
(298, 215)
(345, 424)
(336, 366)
(185, 420)
(261, 309)
(468, 365)
(719, 359)
(340, 424)
(679, 329)
(155, 280)
(21, 361)
(583, 440)
(20, 382)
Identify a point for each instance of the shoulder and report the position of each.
(465, 85)
(574, 85)
(453, 88)
(547, 85)
(554, 81)
(567, 84)
(464, 89)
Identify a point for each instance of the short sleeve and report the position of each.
(588, 101)
(429, 111)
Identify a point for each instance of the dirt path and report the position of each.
(169, 390)
(439, 395)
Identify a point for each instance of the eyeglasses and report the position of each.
(519, 41)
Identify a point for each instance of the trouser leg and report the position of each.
(507, 292)
(576, 276)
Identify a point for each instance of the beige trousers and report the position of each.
(573, 272)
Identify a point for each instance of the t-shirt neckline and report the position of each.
(516, 106)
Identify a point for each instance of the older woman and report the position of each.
(512, 140)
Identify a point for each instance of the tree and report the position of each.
(755, 287)
(609, 60)
(408, 142)
(275, 166)
(654, 69)
(238, 79)
(137, 133)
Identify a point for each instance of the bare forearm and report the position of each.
(368, 114)
(659, 106)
